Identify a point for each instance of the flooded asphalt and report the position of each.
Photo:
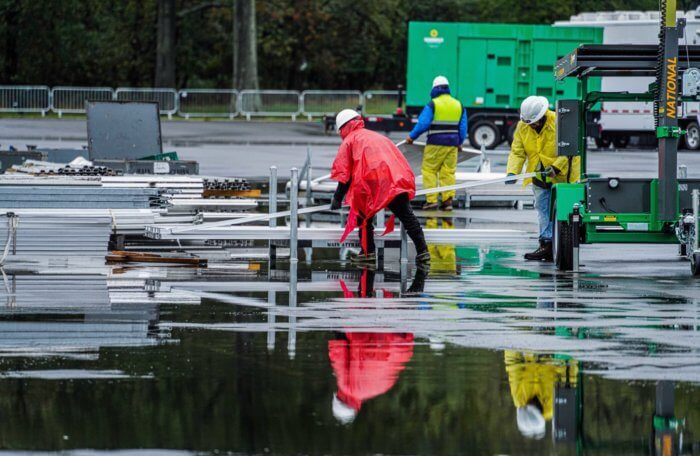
(483, 354)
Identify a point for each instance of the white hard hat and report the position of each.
(440, 81)
(533, 108)
(343, 413)
(345, 116)
(531, 423)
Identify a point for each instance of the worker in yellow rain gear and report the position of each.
(534, 142)
(445, 120)
(443, 256)
(532, 379)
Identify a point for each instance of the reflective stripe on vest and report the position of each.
(447, 114)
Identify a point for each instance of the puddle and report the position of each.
(484, 354)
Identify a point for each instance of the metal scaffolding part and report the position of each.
(259, 233)
(57, 234)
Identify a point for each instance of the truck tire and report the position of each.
(511, 132)
(695, 264)
(691, 140)
(485, 133)
(621, 142)
(602, 143)
(563, 245)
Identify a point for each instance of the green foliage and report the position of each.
(358, 44)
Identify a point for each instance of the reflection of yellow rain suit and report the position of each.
(534, 376)
(443, 257)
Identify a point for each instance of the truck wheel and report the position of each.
(485, 133)
(511, 132)
(695, 264)
(602, 143)
(563, 245)
(621, 142)
(692, 137)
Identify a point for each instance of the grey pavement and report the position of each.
(248, 149)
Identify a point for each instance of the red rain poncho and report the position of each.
(378, 170)
(367, 365)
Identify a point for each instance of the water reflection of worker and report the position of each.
(532, 380)
(443, 256)
(366, 365)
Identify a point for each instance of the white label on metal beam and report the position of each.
(161, 167)
(637, 227)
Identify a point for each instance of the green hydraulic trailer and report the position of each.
(661, 210)
(492, 68)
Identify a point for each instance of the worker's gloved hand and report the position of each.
(335, 204)
(409, 140)
(550, 171)
(511, 181)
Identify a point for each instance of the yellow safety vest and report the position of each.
(446, 114)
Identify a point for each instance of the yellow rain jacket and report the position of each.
(540, 152)
(531, 376)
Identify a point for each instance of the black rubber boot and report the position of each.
(447, 205)
(361, 258)
(543, 252)
(423, 260)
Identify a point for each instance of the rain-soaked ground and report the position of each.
(483, 354)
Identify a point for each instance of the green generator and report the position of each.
(492, 68)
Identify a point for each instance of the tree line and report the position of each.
(275, 44)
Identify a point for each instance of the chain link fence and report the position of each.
(317, 103)
(379, 102)
(187, 103)
(25, 99)
(73, 99)
(269, 103)
(166, 98)
(207, 103)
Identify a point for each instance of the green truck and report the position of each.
(492, 68)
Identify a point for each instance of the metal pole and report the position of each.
(308, 182)
(575, 222)
(294, 216)
(271, 300)
(292, 336)
(272, 208)
(667, 130)
(404, 245)
(308, 251)
(380, 243)
(696, 213)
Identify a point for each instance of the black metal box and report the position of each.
(618, 196)
(568, 137)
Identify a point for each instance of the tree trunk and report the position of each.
(245, 46)
(165, 49)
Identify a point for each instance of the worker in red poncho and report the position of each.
(374, 174)
(366, 365)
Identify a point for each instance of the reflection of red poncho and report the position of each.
(367, 365)
(378, 170)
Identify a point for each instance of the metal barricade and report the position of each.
(25, 99)
(269, 103)
(379, 102)
(207, 103)
(73, 99)
(166, 98)
(328, 102)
